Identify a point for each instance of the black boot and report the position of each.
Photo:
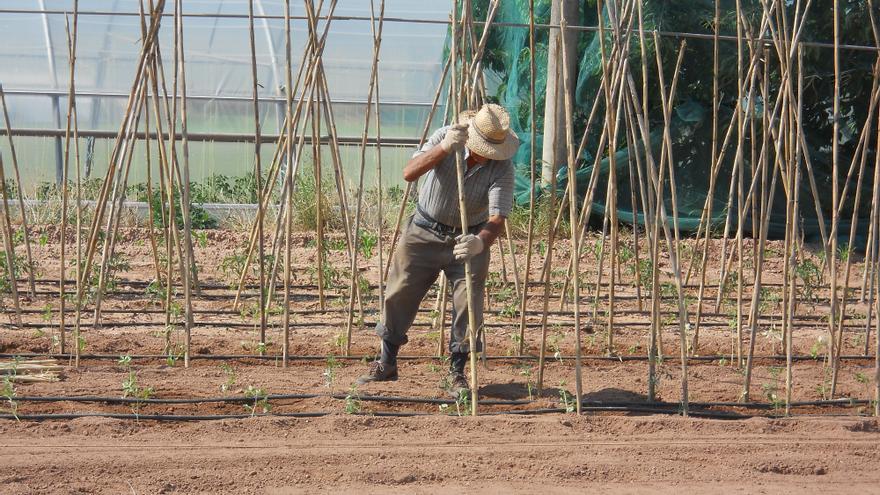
(383, 369)
(456, 383)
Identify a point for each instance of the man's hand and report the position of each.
(455, 138)
(467, 246)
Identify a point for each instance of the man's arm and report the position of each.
(491, 230)
(420, 164)
(442, 143)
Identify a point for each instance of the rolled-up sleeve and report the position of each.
(501, 191)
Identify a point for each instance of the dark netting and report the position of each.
(692, 119)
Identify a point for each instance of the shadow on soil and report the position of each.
(515, 391)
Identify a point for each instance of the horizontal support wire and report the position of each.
(404, 20)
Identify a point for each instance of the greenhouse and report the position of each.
(274, 224)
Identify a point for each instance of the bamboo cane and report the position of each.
(71, 102)
(531, 221)
(459, 165)
(258, 173)
(12, 153)
(573, 218)
(9, 246)
(377, 40)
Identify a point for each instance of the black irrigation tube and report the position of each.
(435, 400)
(108, 326)
(215, 286)
(272, 397)
(294, 358)
(764, 318)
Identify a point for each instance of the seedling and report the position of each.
(229, 372)
(526, 372)
(124, 361)
(330, 370)
(565, 399)
(8, 392)
(463, 402)
(352, 401)
(175, 352)
(201, 238)
(366, 244)
(771, 390)
(515, 341)
(131, 388)
(261, 348)
(260, 398)
(47, 313)
(810, 276)
(865, 381)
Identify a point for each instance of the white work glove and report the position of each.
(467, 246)
(455, 138)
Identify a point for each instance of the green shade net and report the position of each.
(508, 56)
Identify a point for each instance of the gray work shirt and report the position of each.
(488, 188)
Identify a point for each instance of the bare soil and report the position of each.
(618, 450)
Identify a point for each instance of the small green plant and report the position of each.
(261, 348)
(124, 361)
(810, 276)
(367, 244)
(339, 341)
(81, 343)
(9, 392)
(131, 387)
(554, 342)
(46, 315)
(565, 399)
(771, 390)
(260, 398)
(229, 373)
(865, 381)
(509, 310)
(330, 370)
(201, 238)
(463, 402)
(352, 401)
(526, 372)
(175, 352)
(515, 341)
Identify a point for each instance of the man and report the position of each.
(433, 240)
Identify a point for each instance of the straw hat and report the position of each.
(489, 133)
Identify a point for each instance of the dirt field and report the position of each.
(321, 435)
(536, 454)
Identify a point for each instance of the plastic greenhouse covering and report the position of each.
(34, 72)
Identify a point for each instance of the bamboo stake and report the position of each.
(288, 184)
(12, 153)
(548, 261)
(258, 173)
(573, 218)
(8, 245)
(71, 102)
(315, 48)
(459, 166)
(380, 217)
(835, 195)
(377, 40)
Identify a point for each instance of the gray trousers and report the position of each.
(418, 260)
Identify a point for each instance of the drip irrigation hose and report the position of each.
(395, 414)
(610, 405)
(361, 357)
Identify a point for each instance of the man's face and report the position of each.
(479, 160)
